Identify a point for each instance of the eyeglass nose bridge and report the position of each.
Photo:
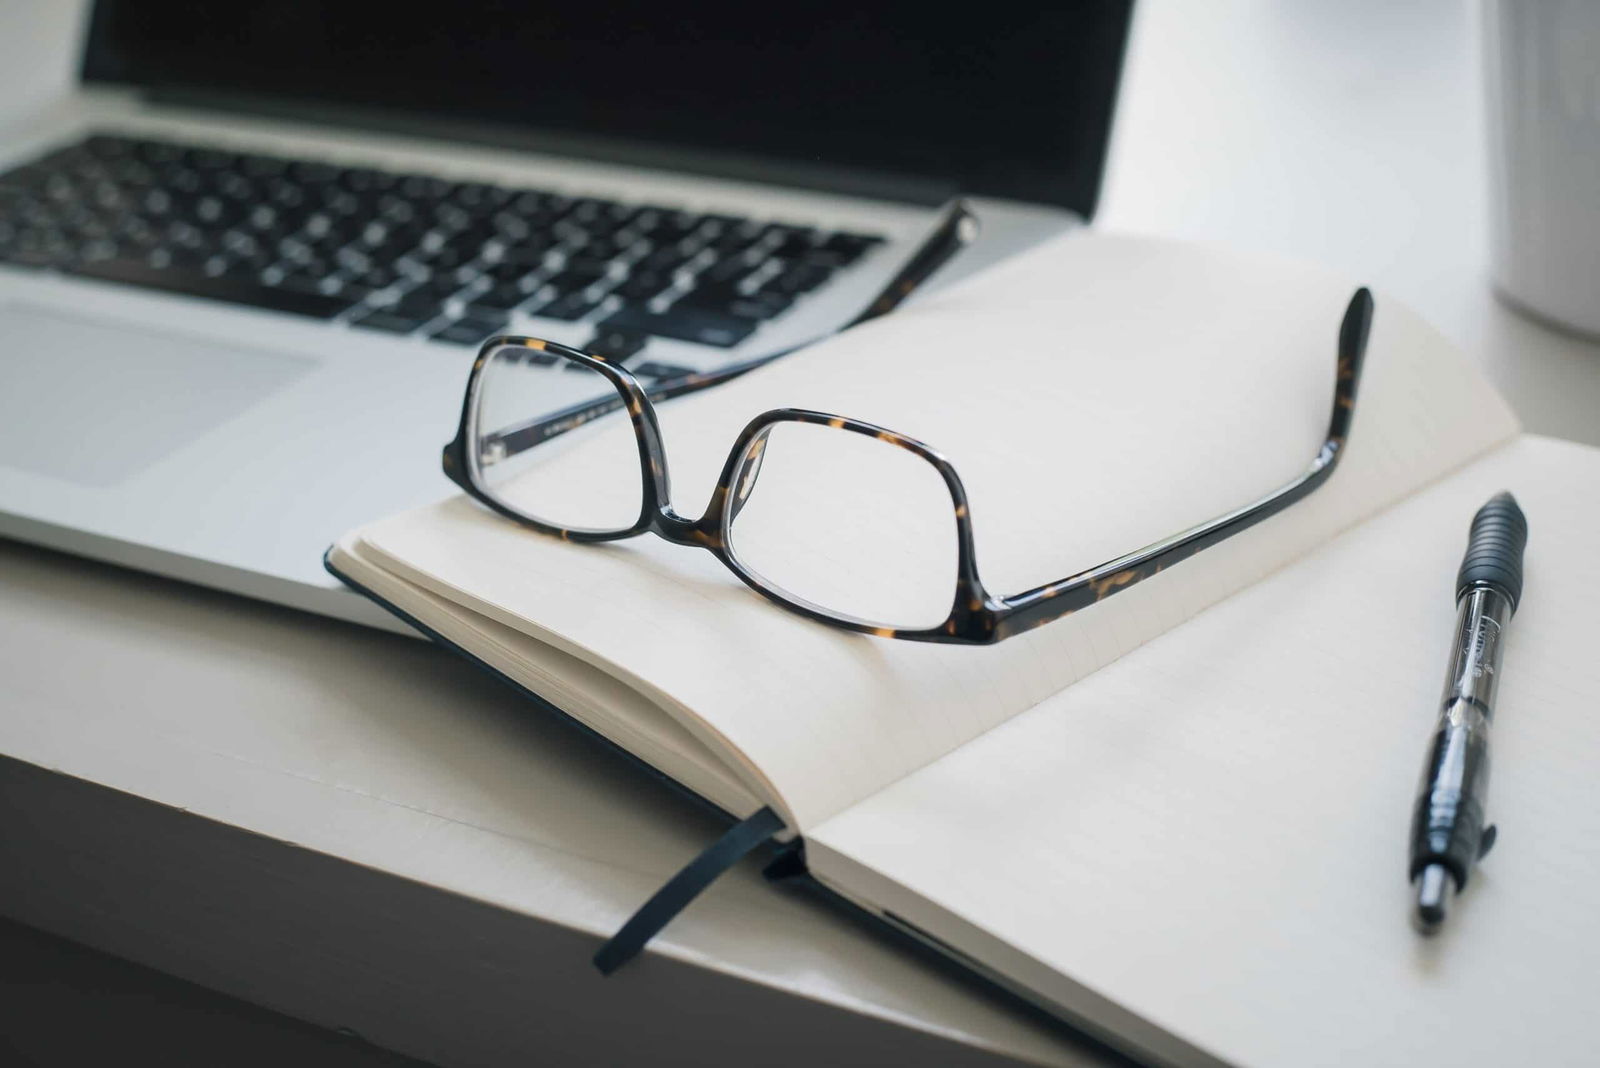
(705, 532)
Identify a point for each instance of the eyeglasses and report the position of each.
(789, 473)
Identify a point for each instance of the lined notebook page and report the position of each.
(1212, 832)
(1096, 394)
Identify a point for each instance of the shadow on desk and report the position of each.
(67, 1005)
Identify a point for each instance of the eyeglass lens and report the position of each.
(587, 479)
(847, 522)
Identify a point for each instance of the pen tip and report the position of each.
(1435, 887)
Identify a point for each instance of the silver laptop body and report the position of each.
(228, 443)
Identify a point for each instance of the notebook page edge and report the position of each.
(1065, 997)
(689, 759)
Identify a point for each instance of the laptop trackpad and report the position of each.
(94, 403)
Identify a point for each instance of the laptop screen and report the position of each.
(1011, 101)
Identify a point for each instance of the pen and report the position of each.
(1448, 835)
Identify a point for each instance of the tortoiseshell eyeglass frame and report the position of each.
(976, 616)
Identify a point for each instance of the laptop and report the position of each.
(245, 266)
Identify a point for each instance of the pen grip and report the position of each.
(1494, 549)
(1447, 825)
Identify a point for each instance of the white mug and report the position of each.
(1542, 67)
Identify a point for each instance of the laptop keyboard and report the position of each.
(406, 253)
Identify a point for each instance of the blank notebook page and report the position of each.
(1212, 832)
(1096, 394)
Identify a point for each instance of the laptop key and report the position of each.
(592, 211)
(418, 306)
(307, 276)
(506, 271)
(573, 280)
(734, 242)
(484, 311)
(665, 228)
(529, 255)
(577, 262)
(728, 300)
(777, 233)
(607, 248)
(381, 277)
(196, 284)
(502, 297)
(842, 249)
(665, 259)
(801, 278)
(730, 270)
(642, 285)
(434, 291)
(568, 308)
(651, 369)
(346, 289)
(791, 242)
(683, 324)
(618, 346)
(391, 322)
(446, 257)
(469, 330)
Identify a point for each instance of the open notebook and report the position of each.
(1178, 818)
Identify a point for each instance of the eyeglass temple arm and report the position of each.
(1039, 606)
(955, 230)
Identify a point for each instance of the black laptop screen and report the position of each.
(1004, 100)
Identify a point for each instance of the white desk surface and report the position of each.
(1347, 133)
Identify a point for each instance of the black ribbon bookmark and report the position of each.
(684, 887)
